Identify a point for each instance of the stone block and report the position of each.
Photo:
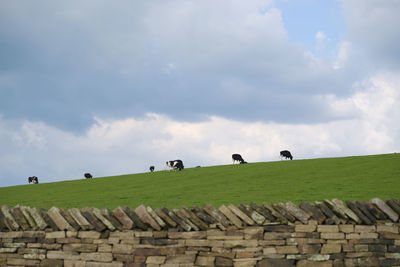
(240, 243)
(122, 248)
(287, 250)
(328, 228)
(67, 216)
(386, 209)
(309, 248)
(145, 217)
(59, 220)
(124, 219)
(57, 234)
(205, 261)
(147, 252)
(80, 219)
(89, 234)
(331, 248)
(329, 235)
(300, 214)
(387, 229)
(240, 214)
(346, 228)
(71, 263)
(222, 261)
(92, 219)
(9, 219)
(52, 263)
(96, 256)
(157, 218)
(276, 263)
(80, 247)
(365, 228)
(63, 255)
(155, 259)
(308, 263)
(180, 259)
(111, 264)
(231, 216)
(188, 235)
(305, 228)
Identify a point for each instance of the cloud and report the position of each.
(131, 145)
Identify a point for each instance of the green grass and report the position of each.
(348, 178)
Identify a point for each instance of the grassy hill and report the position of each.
(348, 178)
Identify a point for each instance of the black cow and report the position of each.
(238, 158)
(33, 179)
(88, 175)
(152, 168)
(286, 154)
(175, 164)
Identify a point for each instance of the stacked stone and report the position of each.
(328, 212)
(310, 244)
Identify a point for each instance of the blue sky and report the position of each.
(112, 88)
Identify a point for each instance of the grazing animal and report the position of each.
(175, 164)
(152, 168)
(88, 175)
(286, 154)
(33, 179)
(238, 158)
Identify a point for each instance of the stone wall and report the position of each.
(328, 233)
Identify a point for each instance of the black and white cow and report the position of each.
(286, 154)
(33, 179)
(88, 175)
(175, 164)
(152, 168)
(238, 158)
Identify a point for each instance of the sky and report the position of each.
(111, 88)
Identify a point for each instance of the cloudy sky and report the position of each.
(112, 87)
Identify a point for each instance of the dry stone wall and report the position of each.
(327, 233)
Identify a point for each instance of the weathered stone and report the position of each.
(305, 228)
(155, 260)
(112, 264)
(216, 214)
(97, 213)
(9, 219)
(74, 263)
(205, 260)
(240, 243)
(241, 215)
(25, 212)
(327, 235)
(170, 222)
(57, 234)
(387, 229)
(328, 228)
(331, 248)
(331, 217)
(186, 219)
(135, 218)
(311, 263)
(193, 218)
(309, 248)
(362, 207)
(392, 203)
(281, 208)
(96, 256)
(276, 214)
(339, 204)
(203, 215)
(120, 214)
(80, 247)
(386, 209)
(276, 263)
(48, 220)
(148, 252)
(263, 211)
(59, 220)
(180, 259)
(80, 219)
(313, 211)
(63, 255)
(38, 219)
(92, 219)
(187, 235)
(67, 216)
(52, 263)
(221, 261)
(157, 218)
(250, 212)
(364, 219)
(145, 217)
(231, 216)
(111, 218)
(297, 212)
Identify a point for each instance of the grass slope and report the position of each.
(349, 178)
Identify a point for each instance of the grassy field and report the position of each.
(348, 178)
